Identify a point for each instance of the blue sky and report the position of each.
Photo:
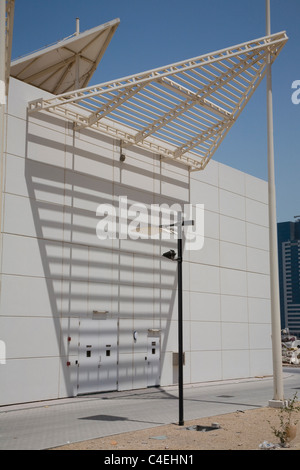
(154, 33)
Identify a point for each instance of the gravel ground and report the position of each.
(242, 430)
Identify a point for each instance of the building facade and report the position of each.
(289, 275)
(81, 314)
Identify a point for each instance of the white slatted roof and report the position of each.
(182, 111)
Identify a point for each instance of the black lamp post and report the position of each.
(172, 256)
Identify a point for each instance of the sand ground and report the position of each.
(241, 430)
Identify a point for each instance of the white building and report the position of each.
(80, 314)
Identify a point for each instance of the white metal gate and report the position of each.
(97, 355)
(153, 357)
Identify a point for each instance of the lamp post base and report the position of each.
(277, 403)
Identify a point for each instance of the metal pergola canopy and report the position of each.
(181, 111)
(68, 64)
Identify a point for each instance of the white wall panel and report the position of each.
(257, 212)
(167, 272)
(75, 262)
(25, 177)
(68, 378)
(45, 145)
(92, 160)
(233, 282)
(69, 337)
(204, 306)
(32, 218)
(25, 380)
(232, 230)
(259, 310)
(210, 175)
(137, 174)
(16, 126)
(99, 297)
(168, 186)
(211, 225)
(257, 236)
(46, 300)
(235, 336)
(143, 270)
(143, 305)
(80, 227)
(165, 305)
(169, 336)
(19, 95)
(261, 362)
(50, 121)
(74, 298)
(256, 189)
(125, 371)
(260, 336)
(27, 337)
(208, 254)
(206, 366)
(232, 256)
(105, 265)
(258, 285)
(236, 364)
(205, 336)
(258, 261)
(234, 309)
(122, 300)
(141, 326)
(232, 205)
(204, 278)
(90, 136)
(167, 376)
(187, 368)
(31, 257)
(139, 371)
(87, 192)
(202, 193)
(232, 180)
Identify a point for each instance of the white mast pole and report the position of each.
(278, 396)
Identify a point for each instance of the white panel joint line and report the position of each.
(182, 111)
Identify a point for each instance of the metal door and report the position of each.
(97, 355)
(153, 357)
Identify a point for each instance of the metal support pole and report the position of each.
(180, 322)
(77, 26)
(77, 57)
(278, 397)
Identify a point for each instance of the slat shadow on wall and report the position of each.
(68, 176)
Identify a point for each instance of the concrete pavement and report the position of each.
(44, 425)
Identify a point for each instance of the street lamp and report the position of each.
(172, 256)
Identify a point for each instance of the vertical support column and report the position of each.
(77, 57)
(278, 396)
